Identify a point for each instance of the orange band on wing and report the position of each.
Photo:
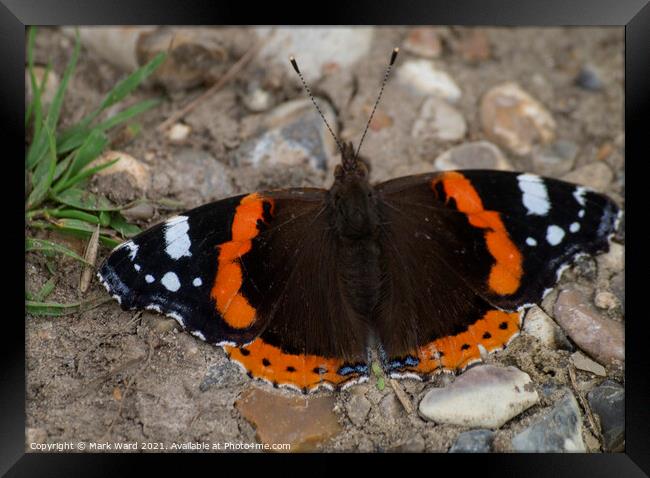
(233, 306)
(306, 372)
(493, 331)
(505, 275)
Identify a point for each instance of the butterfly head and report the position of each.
(352, 167)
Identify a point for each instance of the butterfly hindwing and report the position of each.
(465, 251)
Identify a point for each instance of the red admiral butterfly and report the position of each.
(430, 270)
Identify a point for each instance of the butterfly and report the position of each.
(297, 285)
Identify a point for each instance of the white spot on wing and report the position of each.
(176, 238)
(170, 281)
(197, 282)
(535, 197)
(579, 194)
(132, 247)
(574, 227)
(554, 235)
(531, 242)
(581, 213)
(149, 278)
(136, 267)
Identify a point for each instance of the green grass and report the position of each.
(59, 163)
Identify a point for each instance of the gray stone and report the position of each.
(556, 159)
(474, 441)
(424, 42)
(220, 375)
(438, 120)
(358, 408)
(560, 430)
(589, 78)
(484, 397)
(617, 285)
(476, 155)
(602, 338)
(608, 402)
(538, 324)
(414, 444)
(597, 176)
(293, 134)
(585, 363)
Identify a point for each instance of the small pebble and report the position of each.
(504, 392)
(476, 155)
(560, 430)
(139, 212)
(538, 324)
(608, 402)
(52, 84)
(178, 132)
(581, 362)
(415, 444)
(514, 119)
(438, 120)
(474, 441)
(424, 42)
(474, 46)
(614, 259)
(606, 300)
(258, 100)
(597, 176)
(602, 338)
(425, 79)
(358, 408)
(589, 78)
(556, 159)
(124, 181)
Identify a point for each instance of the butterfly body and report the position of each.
(296, 284)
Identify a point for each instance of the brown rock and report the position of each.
(595, 175)
(601, 338)
(424, 42)
(476, 155)
(302, 422)
(514, 119)
(474, 46)
(125, 180)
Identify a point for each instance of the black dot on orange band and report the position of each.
(487, 335)
(441, 354)
(319, 370)
(464, 347)
(244, 352)
(266, 362)
(304, 390)
(250, 374)
(290, 369)
(503, 325)
(275, 384)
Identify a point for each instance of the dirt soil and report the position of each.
(116, 376)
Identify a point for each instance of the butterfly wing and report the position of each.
(250, 273)
(477, 246)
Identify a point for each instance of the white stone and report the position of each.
(423, 77)
(315, 48)
(483, 397)
(439, 120)
(179, 132)
(538, 324)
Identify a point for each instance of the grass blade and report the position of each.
(85, 200)
(41, 245)
(131, 82)
(83, 175)
(74, 214)
(38, 147)
(45, 291)
(44, 173)
(51, 309)
(91, 148)
(118, 222)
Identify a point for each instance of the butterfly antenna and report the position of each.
(390, 66)
(304, 84)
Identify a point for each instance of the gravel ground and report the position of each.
(106, 375)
